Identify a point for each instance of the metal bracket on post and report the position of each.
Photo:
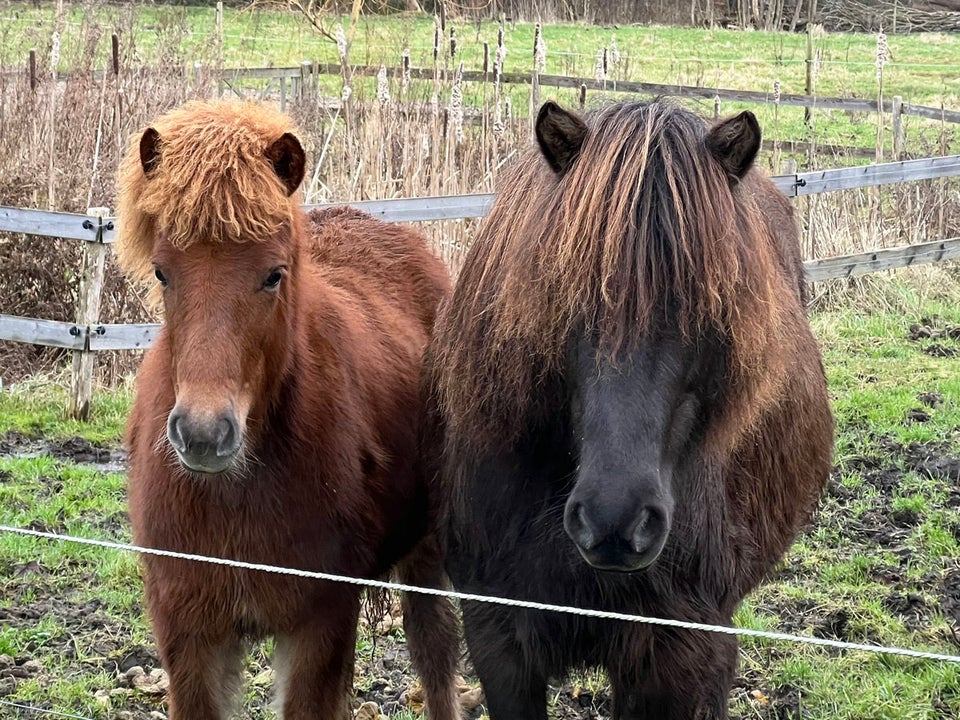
(88, 314)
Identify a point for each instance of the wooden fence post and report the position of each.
(306, 69)
(88, 315)
(899, 140)
(904, 196)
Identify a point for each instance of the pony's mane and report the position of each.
(213, 182)
(645, 227)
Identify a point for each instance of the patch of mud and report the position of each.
(932, 329)
(951, 597)
(76, 450)
(780, 703)
(936, 460)
(910, 607)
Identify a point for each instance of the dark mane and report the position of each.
(645, 228)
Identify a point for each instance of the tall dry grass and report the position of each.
(385, 137)
(60, 144)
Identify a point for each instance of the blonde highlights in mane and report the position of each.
(213, 182)
(644, 229)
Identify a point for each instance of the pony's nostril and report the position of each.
(228, 434)
(588, 536)
(175, 431)
(579, 527)
(649, 529)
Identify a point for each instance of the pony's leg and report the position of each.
(432, 632)
(204, 672)
(514, 690)
(314, 663)
(687, 676)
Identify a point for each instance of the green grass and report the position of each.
(875, 374)
(924, 68)
(38, 407)
(841, 576)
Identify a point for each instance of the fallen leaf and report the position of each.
(472, 698)
(156, 683)
(368, 711)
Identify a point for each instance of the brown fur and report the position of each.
(653, 250)
(545, 246)
(322, 375)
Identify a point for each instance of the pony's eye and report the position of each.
(273, 279)
(160, 277)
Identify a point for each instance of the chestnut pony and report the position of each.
(627, 410)
(276, 415)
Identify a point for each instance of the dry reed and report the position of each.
(387, 136)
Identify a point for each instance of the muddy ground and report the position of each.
(136, 684)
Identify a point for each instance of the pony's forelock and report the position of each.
(213, 182)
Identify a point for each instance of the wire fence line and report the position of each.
(42, 711)
(491, 599)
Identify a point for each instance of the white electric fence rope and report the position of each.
(509, 602)
(31, 708)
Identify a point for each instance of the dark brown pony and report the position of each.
(626, 407)
(276, 414)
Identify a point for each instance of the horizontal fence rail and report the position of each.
(444, 207)
(307, 70)
(54, 224)
(304, 70)
(457, 207)
(106, 337)
(42, 332)
(128, 336)
(843, 266)
(821, 181)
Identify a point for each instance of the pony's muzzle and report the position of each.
(624, 538)
(206, 444)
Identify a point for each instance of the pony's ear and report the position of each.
(150, 150)
(560, 134)
(735, 142)
(289, 161)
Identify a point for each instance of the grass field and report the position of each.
(880, 565)
(923, 69)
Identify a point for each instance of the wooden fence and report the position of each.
(294, 81)
(87, 335)
(304, 76)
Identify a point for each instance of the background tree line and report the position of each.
(838, 15)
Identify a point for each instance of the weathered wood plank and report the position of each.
(41, 332)
(877, 260)
(124, 336)
(656, 89)
(48, 224)
(446, 207)
(820, 181)
(269, 73)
